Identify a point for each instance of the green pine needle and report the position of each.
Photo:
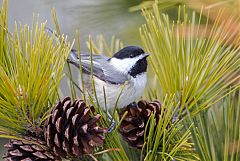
(216, 131)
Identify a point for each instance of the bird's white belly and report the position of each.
(133, 89)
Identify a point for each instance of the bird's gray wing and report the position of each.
(101, 67)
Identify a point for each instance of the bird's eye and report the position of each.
(131, 56)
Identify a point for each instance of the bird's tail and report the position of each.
(52, 32)
(73, 56)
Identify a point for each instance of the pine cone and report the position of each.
(72, 130)
(29, 149)
(133, 125)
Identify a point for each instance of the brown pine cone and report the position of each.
(28, 149)
(133, 125)
(72, 130)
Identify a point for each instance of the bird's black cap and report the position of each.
(129, 52)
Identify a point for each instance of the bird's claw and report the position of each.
(113, 123)
(134, 105)
(112, 127)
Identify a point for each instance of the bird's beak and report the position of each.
(145, 55)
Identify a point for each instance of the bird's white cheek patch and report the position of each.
(123, 65)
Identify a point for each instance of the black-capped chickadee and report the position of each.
(122, 75)
(125, 71)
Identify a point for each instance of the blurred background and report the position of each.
(107, 17)
(120, 18)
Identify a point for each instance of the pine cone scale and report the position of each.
(66, 146)
(140, 133)
(127, 128)
(70, 112)
(27, 159)
(49, 155)
(55, 115)
(76, 150)
(96, 141)
(16, 153)
(84, 128)
(38, 148)
(40, 155)
(68, 132)
(66, 105)
(132, 137)
(59, 124)
(27, 148)
(75, 118)
(8, 145)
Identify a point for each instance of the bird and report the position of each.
(123, 76)
(118, 80)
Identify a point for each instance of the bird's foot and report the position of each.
(113, 123)
(134, 105)
(112, 127)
